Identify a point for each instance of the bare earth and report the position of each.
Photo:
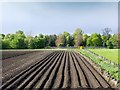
(50, 69)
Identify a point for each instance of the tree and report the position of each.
(6, 39)
(41, 35)
(85, 37)
(5, 44)
(94, 40)
(29, 42)
(89, 42)
(78, 38)
(109, 44)
(106, 35)
(117, 40)
(60, 40)
(20, 41)
(17, 40)
(113, 41)
(71, 43)
(39, 41)
(50, 40)
(2, 36)
(67, 38)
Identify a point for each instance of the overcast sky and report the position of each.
(57, 17)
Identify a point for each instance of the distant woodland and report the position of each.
(20, 41)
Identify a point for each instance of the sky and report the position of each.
(56, 17)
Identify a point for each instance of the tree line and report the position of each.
(20, 41)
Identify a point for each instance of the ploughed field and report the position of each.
(49, 69)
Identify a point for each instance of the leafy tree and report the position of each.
(41, 35)
(71, 41)
(85, 37)
(60, 40)
(50, 40)
(89, 42)
(94, 40)
(78, 38)
(20, 41)
(109, 44)
(117, 40)
(29, 42)
(39, 41)
(67, 38)
(17, 40)
(53, 39)
(5, 44)
(2, 36)
(5, 41)
(113, 41)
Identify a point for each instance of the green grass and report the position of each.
(111, 54)
(109, 68)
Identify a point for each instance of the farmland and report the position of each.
(105, 66)
(50, 69)
(111, 54)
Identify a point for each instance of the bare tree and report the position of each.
(106, 32)
(106, 35)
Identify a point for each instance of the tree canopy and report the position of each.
(20, 41)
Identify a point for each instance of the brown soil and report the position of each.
(51, 69)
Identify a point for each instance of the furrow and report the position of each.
(74, 76)
(41, 73)
(56, 70)
(60, 75)
(67, 78)
(32, 67)
(83, 80)
(91, 79)
(27, 61)
(53, 74)
(40, 84)
(33, 75)
(99, 78)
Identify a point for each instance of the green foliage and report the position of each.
(39, 42)
(109, 45)
(94, 40)
(20, 41)
(64, 40)
(60, 41)
(112, 55)
(50, 40)
(29, 42)
(2, 36)
(17, 40)
(85, 37)
(5, 44)
(78, 38)
(111, 69)
(106, 36)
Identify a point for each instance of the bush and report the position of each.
(110, 45)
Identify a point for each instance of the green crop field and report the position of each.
(108, 67)
(111, 54)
